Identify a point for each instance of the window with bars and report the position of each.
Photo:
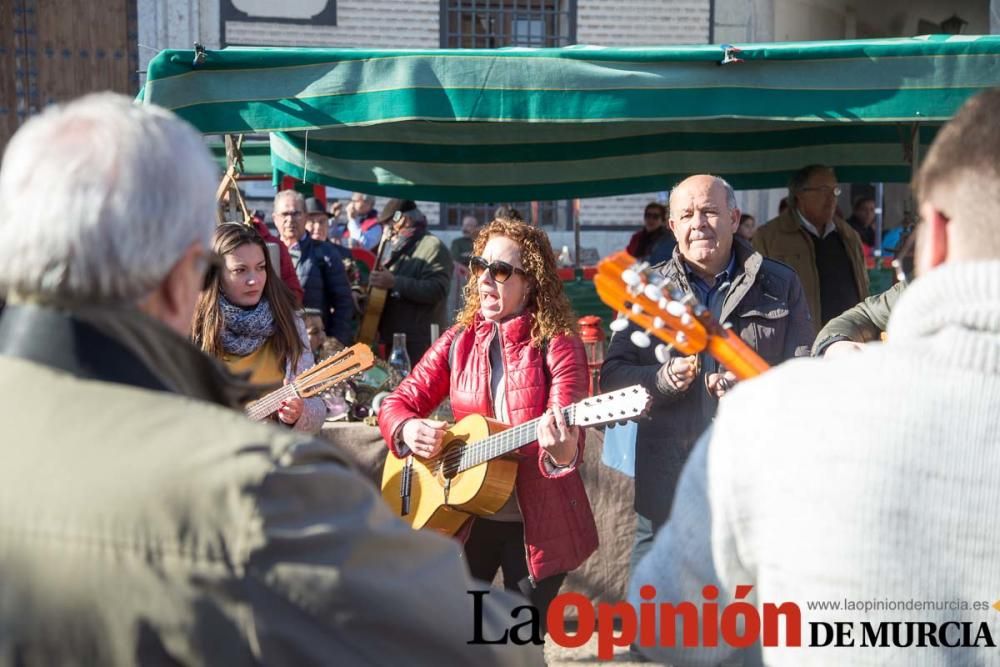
(489, 24)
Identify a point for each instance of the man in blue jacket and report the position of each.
(317, 265)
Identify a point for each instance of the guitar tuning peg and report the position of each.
(631, 278)
(641, 339)
(663, 302)
(658, 323)
(681, 337)
(662, 353)
(686, 319)
(636, 309)
(676, 308)
(651, 291)
(620, 323)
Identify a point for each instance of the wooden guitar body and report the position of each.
(443, 502)
(373, 313)
(474, 474)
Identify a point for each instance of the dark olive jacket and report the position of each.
(861, 324)
(766, 307)
(420, 296)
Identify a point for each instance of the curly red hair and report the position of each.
(553, 315)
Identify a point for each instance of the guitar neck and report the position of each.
(262, 409)
(507, 441)
(729, 349)
(315, 380)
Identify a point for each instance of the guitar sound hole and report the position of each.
(450, 460)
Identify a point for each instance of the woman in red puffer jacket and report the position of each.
(513, 356)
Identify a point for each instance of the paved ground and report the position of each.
(557, 656)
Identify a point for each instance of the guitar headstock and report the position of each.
(663, 309)
(657, 306)
(613, 406)
(341, 366)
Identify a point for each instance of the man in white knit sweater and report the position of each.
(888, 507)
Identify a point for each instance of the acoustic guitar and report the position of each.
(474, 473)
(663, 309)
(375, 303)
(324, 375)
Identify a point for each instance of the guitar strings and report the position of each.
(459, 459)
(272, 402)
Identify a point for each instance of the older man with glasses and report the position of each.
(318, 265)
(823, 250)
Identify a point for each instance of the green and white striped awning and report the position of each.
(499, 125)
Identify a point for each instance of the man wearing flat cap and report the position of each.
(416, 269)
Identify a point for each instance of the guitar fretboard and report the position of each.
(265, 407)
(460, 459)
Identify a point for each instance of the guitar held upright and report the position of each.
(376, 296)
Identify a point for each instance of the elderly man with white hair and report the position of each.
(760, 298)
(141, 521)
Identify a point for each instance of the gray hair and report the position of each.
(294, 195)
(730, 193)
(100, 198)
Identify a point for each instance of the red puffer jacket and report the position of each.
(559, 529)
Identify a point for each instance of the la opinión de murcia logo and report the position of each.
(739, 624)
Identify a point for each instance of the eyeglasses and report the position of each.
(499, 271)
(825, 190)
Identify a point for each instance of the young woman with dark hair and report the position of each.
(246, 317)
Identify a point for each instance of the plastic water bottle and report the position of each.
(399, 359)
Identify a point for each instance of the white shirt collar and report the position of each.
(812, 229)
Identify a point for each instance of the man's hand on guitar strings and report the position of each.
(677, 374)
(424, 437)
(557, 438)
(719, 383)
(382, 279)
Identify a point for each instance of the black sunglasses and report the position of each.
(499, 271)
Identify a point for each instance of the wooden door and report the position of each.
(53, 50)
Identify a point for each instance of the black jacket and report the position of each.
(766, 307)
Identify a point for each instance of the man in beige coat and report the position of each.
(823, 250)
(141, 522)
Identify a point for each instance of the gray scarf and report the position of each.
(245, 330)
